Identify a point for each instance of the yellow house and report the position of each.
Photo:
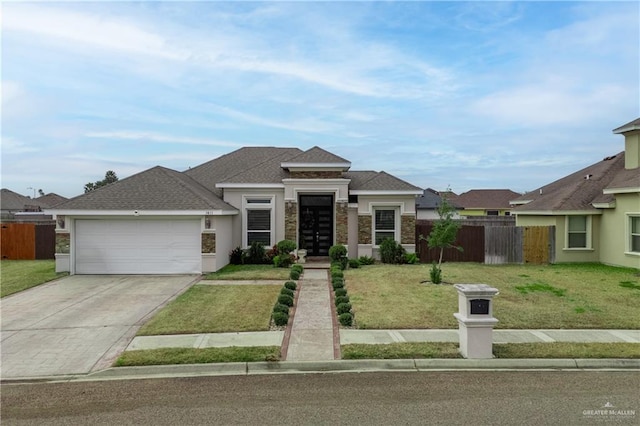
(485, 202)
(596, 210)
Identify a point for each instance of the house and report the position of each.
(13, 203)
(596, 210)
(486, 202)
(427, 204)
(162, 221)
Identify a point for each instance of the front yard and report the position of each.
(19, 275)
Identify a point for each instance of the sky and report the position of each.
(465, 95)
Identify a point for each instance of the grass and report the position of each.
(215, 309)
(249, 272)
(19, 275)
(198, 356)
(506, 350)
(570, 296)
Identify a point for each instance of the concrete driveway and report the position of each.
(80, 323)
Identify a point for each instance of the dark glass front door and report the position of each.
(316, 224)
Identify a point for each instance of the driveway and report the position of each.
(80, 323)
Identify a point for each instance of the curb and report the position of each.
(338, 366)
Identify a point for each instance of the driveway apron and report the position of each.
(80, 323)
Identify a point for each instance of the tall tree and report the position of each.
(109, 177)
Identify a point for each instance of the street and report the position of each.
(448, 398)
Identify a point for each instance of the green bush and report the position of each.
(343, 308)
(285, 246)
(256, 254)
(411, 258)
(297, 267)
(354, 263)
(291, 285)
(285, 300)
(391, 251)
(337, 284)
(338, 254)
(337, 280)
(340, 292)
(337, 274)
(286, 291)
(346, 319)
(294, 275)
(435, 273)
(283, 260)
(342, 299)
(236, 257)
(279, 307)
(280, 318)
(366, 260)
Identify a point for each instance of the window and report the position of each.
(385, 225)
(577, 232)
(635, 234)
(258, 220)
(493, 212)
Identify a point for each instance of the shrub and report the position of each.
(344, 308)
(354, 263)
(280, 318)
(366, 260)
(337, 274)
(435, 273)
(337, 284)
(294, 274)
(338, 254)
(291, 285)
(346, 319)
(411, 258)
(391, 251)
(297, 267)
(286, 246)
(286, 291)
(340, 292)
(236, 257)
(285, 300)
(279, 307)
(342, 299)
(256, 254)
(283, 260)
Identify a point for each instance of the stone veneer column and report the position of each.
(63, 241)
(342, 222)
(364, 229)
(291, 221)
(208, 243)
(408, 229)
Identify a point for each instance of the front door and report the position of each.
(316, 224)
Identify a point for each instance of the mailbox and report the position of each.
(475, 319)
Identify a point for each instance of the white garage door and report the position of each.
(140, 246)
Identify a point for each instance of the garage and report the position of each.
(137, 246)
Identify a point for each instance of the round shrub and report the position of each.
(297, 267)
(354, 263)
(279, 307)
(286, 291)
(286, 246)
(291, 285)
(346, 319)
(343, 308)
(338, 280)
(285, 299)
(337, 284)
(342, 299)
(335, 275)
(294, 275)
(340, 292)
(280, 318)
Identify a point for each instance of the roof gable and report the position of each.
(317, 156)
(10, 200)
(379, 181)
(486, 199)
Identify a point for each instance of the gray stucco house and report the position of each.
(162, 221)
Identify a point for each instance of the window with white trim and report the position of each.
(384, 224)
(634, 227)
(259, 220)
(577, 231)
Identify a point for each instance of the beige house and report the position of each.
(162, 221)
(596, 211)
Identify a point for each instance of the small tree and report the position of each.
(109, 177)
(443, 235)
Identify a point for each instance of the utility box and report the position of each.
(475, 320)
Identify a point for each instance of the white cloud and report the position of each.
(159, 138)
(14, 146)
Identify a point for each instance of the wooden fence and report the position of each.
(492, 244)
(27, 241)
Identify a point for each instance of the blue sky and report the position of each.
(460, 94)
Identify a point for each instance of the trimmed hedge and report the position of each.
(342, 299)
(346, 319)
(340, 292)
(291, 285)
(285, 300)
(343, 308)
(280, 318)
(287, 291)
(279, 307)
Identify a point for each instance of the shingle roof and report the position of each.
(486, 199)
(378, 181)
(158, 188)
(633, 125)
(579, 190)
(267, 171)
(51, 199)
(13, 201)
(428, 200)
(317, 155)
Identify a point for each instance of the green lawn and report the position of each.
(18, 275)
(216, 309)
(250, 272)
(531, 296)
(198, 356)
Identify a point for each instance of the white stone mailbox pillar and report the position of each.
(475, 319)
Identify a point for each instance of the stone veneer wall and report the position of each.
(408, 229)
(316, 175)
(63, 242)
(291, 221)
(342, 223)
(364, 229)
(208, 242)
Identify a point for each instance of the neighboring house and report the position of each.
(161, 221)
(486, 202)
(595, 211)
(12, 203)
(427, 204)
(51, 199)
